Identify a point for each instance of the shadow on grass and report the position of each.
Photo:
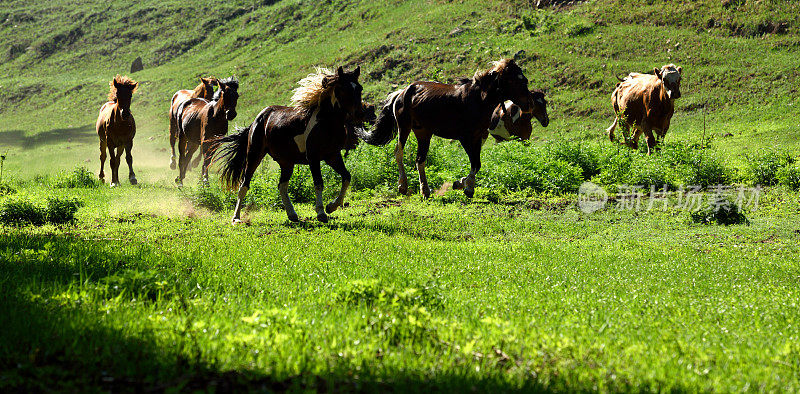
(52, 346)
(21, 139)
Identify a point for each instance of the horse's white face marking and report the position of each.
(300, 139)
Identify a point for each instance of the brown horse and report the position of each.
(116, 128)
(460, 112)
(312, 130)
(509, 122)
(201, 121)
(204, 90)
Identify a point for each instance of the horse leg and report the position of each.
(191, 147)
(468, 182)
(319, 186)
(283, 189)
(337, 164)
(423, 144)
(103, 148)
(611, 129)
(182, 146)
(204, 148)
(115, 154)
(649, 138)
(173, 136)
(402, 181)
(129, 160)
(254, 157)
(196, 161)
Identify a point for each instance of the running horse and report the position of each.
(460, 112)
(200, 122)
(312, 130)
(204, 90)
(116, 128)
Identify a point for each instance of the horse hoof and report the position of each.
(330, 208)
(236, 221)
(172, 164)
(426, 193)
(293, 218)
(322, 217)
(114, 184)
(134, 181)
(178, 183)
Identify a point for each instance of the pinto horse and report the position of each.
(200, 122)
(460, 112)
(116, 128)
(312, 130)
(204, 90)
(510, 122)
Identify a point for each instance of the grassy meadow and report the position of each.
(149, 287)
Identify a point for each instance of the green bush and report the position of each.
(763, 168)
(23, 211)
(6, 189)
(79, 177)
(514, 166)
(578, 153)
(721, 211)
(789, 175)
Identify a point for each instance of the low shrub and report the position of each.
(24, 211)
(721, 211)
(79, 177)
(789, 175)
(6, 189)
(762, 168)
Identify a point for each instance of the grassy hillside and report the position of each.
(58, 59)
(150, 288)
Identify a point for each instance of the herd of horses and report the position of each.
(327, 115)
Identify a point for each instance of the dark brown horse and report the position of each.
(509, 122)
(460, 112)
(116, 128)
(204, 90)
(201, 121)
(312, 130)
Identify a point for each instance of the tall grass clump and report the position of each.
(789, 175)
(79, 177)
(515, 166)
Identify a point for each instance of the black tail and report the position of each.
(385, 126)
(232, 153)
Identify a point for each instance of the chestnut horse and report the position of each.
(460, 112)
(116, 128)
(509, 122)
(201, 121)
(204, 90)
(312, 130)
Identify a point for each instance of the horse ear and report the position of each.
(657, 72)
(116, 84)
(357, 71)
(340, 71)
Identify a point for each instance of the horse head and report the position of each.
(512, 84)
(122, 89)
(229, 95)
(539, 110)
(345, 92)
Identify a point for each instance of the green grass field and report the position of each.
(151, 288)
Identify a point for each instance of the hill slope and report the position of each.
(58, 59)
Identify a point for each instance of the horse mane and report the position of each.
(120, 80)
(230, 82)
(311, 93)
(498, 66)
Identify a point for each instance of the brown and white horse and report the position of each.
(460, 112)
(312, 130)
(200, 122)
(116, 128)
(204, 90)
(509, 122)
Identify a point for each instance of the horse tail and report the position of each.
(231, 152)
(179, 114)
(385, 126)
